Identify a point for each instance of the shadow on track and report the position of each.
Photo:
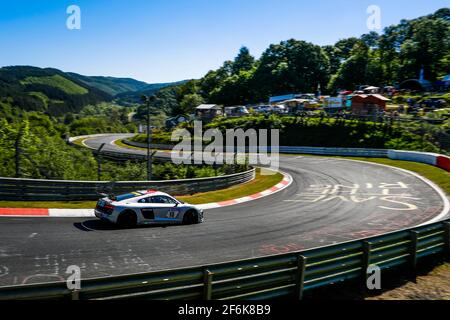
(100, 225)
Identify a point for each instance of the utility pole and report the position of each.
(18, 153)
(99, 162)
(148, 100)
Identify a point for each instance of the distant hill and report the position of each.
(135, 96)
(151, 88)
(122, 87)
(47, 90)
(112, 86)
(57, 93)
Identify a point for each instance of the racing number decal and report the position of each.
(172, 214)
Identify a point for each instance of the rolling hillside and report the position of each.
(131, 97)
(112, 86)
(123, 87)
(56, 92)
(47, 90)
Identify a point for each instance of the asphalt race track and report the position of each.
(331, 200)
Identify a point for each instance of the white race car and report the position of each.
(146, 207)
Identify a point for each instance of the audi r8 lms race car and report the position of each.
(146, 207)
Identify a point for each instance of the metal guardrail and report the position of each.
(53, 190)
(123, 156)
(355, 152)
(363, 152)
(286, 275)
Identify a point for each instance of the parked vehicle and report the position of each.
(236, 111)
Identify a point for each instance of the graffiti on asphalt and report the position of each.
(390, 196)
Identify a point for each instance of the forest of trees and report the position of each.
(33, 147)
(46, 90)
(395, 55)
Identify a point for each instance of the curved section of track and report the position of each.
(330, 200)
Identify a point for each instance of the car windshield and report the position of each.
(162, 199)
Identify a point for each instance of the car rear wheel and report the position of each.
(127, 219)
(189, 217)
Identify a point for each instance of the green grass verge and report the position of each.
(260, 183)
(79, 142)
(121, 144)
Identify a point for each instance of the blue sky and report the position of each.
(170, 40)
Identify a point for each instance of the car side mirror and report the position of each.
(176, 205)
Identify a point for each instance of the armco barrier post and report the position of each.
(75, 295)
(367, 247)
(413, 250)
(301, 267)
(207, 281)
(447, 239)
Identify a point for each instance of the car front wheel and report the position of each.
(189, 217)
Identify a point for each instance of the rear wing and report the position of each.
(109, 196)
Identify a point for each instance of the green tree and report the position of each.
(374, 70)
(353, 71)
(234, 90)
(429, 42)
(69, 118)
(389, 54)
(8, 135)
(333, 56)
(291, 66)
(345, 46)
(243, 62)
(371, 39)
(190, 102)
